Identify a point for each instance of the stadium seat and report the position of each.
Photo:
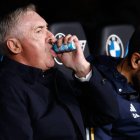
(113, 40)
(74, 28)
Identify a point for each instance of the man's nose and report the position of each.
(51, 37)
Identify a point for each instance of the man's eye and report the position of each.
(38, 31)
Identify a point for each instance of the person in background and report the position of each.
(36, 101)
(123, 74)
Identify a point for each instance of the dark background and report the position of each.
(93, 14)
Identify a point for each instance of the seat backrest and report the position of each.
(74, 28)
(113, 40)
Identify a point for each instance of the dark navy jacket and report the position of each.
(36, 105)
(127, 126)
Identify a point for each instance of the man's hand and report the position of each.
(74, 60)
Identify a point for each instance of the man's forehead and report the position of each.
(33, 17)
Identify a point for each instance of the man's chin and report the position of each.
(52, 64)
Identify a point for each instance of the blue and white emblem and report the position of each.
(114, 46)
(82, 43)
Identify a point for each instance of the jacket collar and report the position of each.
(27, 73)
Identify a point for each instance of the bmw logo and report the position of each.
(82, 43)
(59, 35)
(114, 46)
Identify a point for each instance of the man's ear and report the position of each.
(14, 45)
(135, 60)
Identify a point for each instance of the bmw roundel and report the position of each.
(59, 35)
(114, 46)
